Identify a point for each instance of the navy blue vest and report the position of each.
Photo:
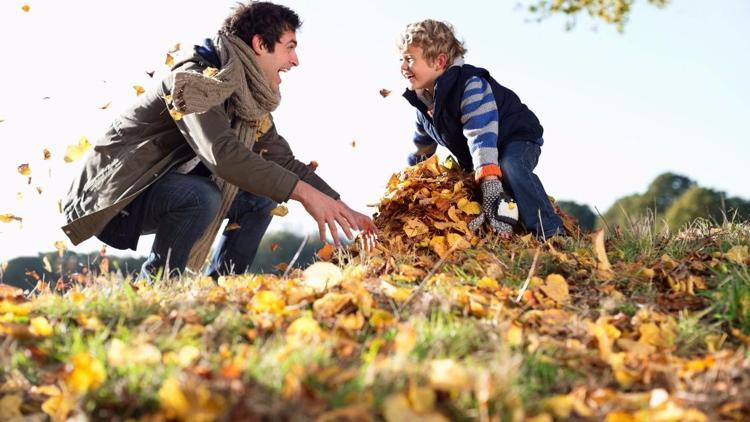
(517, 122)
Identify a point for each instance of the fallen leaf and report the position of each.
(601, 253)
(280, 211)
(384, 92)
(321, 276)
(414, 227)
(737, 254)
(469, 207)
(169, 61)
(556, 288)
(24, 169)
(138, 89)
(10, 407)
(326, 252)
(87, 373)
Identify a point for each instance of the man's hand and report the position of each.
(327, 211)
(498, 209)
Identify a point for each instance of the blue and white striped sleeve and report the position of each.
(480, 120)
(426, 146)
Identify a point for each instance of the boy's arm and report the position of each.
(426, 146)
(480, 120)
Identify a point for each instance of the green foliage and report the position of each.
(585, 217)
(614, 12)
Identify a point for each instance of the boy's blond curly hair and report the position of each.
(434, 37)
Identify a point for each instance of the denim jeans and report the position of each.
(517, 161)
(179, 207)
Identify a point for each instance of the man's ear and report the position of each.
(257, 44)
(441, 60)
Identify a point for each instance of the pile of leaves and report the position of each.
(633, 326)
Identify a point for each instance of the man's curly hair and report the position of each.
(262, 18)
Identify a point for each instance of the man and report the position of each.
(203, 147)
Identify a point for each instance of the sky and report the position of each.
(669, 94)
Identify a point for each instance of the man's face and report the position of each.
(283, 57)
(416, 69)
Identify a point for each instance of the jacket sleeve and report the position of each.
(274, 147)
(209, 134)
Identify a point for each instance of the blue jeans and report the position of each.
(178, 209)
(517, 161)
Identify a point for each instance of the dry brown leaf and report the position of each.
(47, 154)
(384, 92)
(414, 227)
(7, 218)
(280, 211)
(601, 253)
(106, 105)
(556, 288)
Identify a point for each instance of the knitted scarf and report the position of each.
(251, 100)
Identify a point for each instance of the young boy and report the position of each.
(482, 123)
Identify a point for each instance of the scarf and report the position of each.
(251, 100)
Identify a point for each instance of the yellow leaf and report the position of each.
(7, 218)
(396, 409)
(176, 115)
(488, 283)
(61, 247)
(469, 207)
(76, 151)
(87, 373)
(24, 169)
(172, 399)
(380, 318)
(457, 241)
(303, 331)
(414, 227)
(267, 301)
(10, 407)
(210, 72)
(169, 61)
(422, 399)
(514, 336)
(39, 326)
(280, 211)
(138, 89)
(321, 276)
(59, 405)
(447, 375)
(601, 253)
(26, 8)
(556, 288)
(560, 405)
(452, 215)
(187, 355)
(437, 244)
(619, 417)
(737, 253)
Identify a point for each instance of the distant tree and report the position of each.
(700, 202)
(581, 212)
(624, 211)
(613, 12)
(665, 189)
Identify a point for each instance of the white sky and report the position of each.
(617, 109)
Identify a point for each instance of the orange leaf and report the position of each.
(326, 252)
(169, 61)
(24, 169)
(274, 246)
(47, 154)
(138, 89)
(26, 8)
(313, 165)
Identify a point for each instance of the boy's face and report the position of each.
(283, 57)
(416, 69)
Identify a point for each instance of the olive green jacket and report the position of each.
(145, 143)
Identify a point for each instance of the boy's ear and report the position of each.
(441, 61)
(257, 44)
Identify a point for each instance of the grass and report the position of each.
(189, 348)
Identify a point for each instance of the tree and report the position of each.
(700, 202)
(585, 218)
(614, 12)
